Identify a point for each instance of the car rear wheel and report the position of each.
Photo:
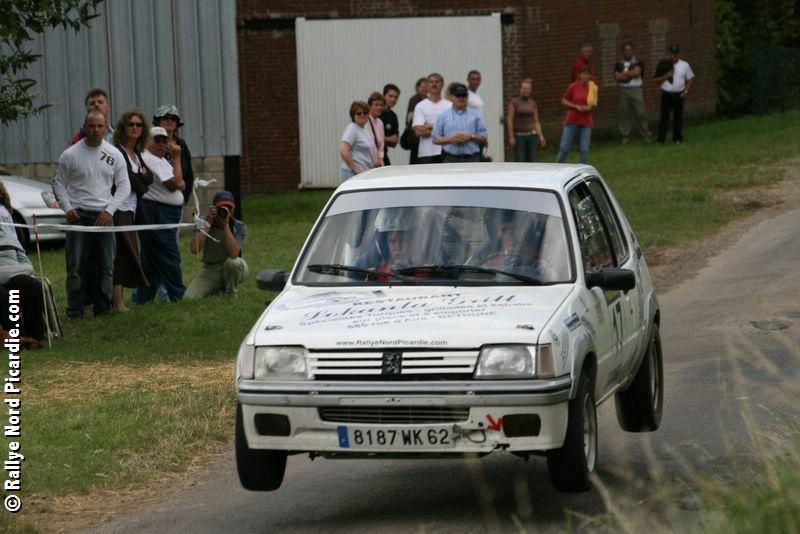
(571, 465)
(639, 407)
(259, 470)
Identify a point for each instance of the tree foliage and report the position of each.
(745, 27)
(22, 20)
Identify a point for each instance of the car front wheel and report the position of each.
(259, 470)
(571, 465)
(640, 405)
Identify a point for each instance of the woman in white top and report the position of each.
(130, 138)
(357, 147)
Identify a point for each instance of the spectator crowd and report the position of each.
(447, 125)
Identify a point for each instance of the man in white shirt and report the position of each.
(475, 101)
(162, 204)
(675, 85)
(82, 184)
(425, 115)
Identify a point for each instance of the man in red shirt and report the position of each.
(583, 60)
(578, 121)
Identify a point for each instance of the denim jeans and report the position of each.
(584, 134)
(160, 255)
(84, 249)
(526, 148)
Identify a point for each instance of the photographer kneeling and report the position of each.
(223, 266)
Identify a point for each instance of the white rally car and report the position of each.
(450, 309)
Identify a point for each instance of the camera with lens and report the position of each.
(223, 212)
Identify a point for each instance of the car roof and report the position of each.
(524, 175)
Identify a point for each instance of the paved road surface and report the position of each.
(718, 366)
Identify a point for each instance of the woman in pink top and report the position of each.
(579, 117)
(376, 103)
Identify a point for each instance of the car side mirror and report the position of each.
(271, 280)
(612, 279)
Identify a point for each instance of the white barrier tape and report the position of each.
(100, 229)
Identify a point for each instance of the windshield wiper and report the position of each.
(342, 270)
(457, 269)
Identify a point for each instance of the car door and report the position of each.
(604, 308)
(630, 301)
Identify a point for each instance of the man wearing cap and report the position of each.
(675, 85)
(223, 267)
(161, 204)
(460, 129)
(167, 117)
(82, 184)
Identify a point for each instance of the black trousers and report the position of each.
(425, 160)
(461, 158)
(31, 321)
(671, 103)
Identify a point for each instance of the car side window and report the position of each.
(592, 235)
(610, 219)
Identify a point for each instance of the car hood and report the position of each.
(25, 192)
(418, 316)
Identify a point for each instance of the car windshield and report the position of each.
(439, 236)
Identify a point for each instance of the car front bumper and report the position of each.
(479, 416)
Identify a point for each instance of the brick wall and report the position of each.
(540, 41)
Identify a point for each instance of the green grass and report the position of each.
(100, 437)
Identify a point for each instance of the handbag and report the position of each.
(140, 181)
(591, 98)
(408, 139)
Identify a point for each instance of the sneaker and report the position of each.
(678, 142)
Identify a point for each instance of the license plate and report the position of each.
(395, 438)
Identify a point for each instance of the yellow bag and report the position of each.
(591, 98)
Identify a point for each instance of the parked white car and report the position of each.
(450, 309)
(31, 198)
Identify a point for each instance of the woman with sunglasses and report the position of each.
(357, 148)
(167, 117)
(130, 138)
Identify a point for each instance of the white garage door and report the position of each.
(339, 61)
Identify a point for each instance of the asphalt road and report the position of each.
(732, 344)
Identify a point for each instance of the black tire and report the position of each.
(23, 234)
(571, 465)
(259, 470)
(640, 405)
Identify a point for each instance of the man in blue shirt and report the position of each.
(460, 130)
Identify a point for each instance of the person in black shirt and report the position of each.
(391, 127)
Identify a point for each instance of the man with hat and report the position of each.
(161, 204)
(460, 129)
(223, 267)
(675, 85)
(167, 117)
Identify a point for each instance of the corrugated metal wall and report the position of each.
(144, 53)
(339, 61)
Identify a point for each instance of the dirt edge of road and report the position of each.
(668, 267)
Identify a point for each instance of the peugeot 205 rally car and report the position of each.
(449, 309)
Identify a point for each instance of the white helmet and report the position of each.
(394, 219)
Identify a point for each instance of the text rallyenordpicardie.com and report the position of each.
(11, 398)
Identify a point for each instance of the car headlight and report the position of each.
(245, 359)
(281, 363)
(515, 361)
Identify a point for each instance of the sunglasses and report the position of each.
(357, 113)
(135, 125)
(173, 118)
(460, 96)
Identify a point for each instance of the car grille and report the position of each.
(424, 364)
(394, 415)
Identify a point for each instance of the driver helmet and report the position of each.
(394, 220)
